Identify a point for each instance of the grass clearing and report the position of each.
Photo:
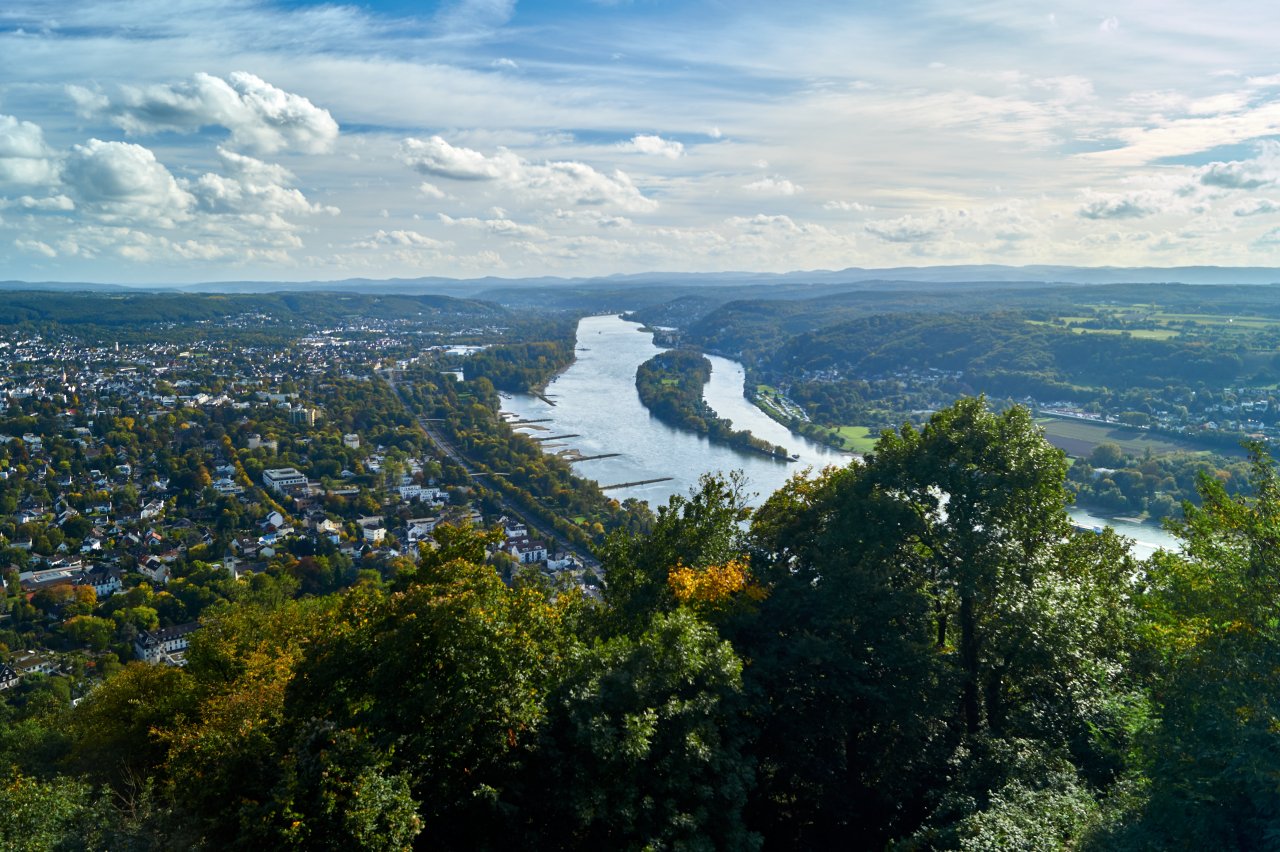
(1079, 438)
(859, 439)
(856, 439)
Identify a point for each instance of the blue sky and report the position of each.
(185, 140)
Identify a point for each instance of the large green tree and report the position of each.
(1214, 625)
(644, 747)
(928, 610)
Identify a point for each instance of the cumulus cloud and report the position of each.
(260, 117)
(654, 145)
(906, 229)
(120, 179)
(499, 227)
(51, 203)
(251, 187)
(1132, 206)
(25, 159)
(406, 239)
(774, 186)
(430, 190)
(1261, 171)
(577, 183)
(35, 247)
(437, 157)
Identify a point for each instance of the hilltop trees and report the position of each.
(929, 615)
(1213, 624)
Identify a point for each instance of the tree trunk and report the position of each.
(970, 699)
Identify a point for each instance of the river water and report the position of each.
(596, 402)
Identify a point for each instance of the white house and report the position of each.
(165, 645)
(282, 479)
(420, 529)
(527, 551)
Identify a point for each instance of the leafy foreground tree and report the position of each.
(930, 616)
(644, 747)
(1213, 761)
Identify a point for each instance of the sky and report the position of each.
(153, 141)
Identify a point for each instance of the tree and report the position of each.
(1213, 615)
(930, 615)
(1108, 455)
(700, 530)
(643, 747)
(446, 679)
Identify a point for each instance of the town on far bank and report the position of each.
(147, 478)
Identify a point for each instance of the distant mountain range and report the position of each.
(969, 274)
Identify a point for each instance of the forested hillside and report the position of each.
(856, 668)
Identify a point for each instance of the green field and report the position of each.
(856, 439)
(1079, 438)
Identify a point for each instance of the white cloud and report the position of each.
(430, 190)
(25, 159)
(1257, 208)
(410, 239)
(1138, 204)
(773, 186)
(252, 188)
(592, 217)
(570, 181)
(1128, 206)
(35, 247)
(847, 206)
(762, 222)
(655, 145)
(260, 117)
(120, 179)
(1189, 135)
(1109, 24)
(1261, 171)
(496, 227)
(437, 157)
(52, 203)
(906, 229)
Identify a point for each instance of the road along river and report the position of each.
(595, 401)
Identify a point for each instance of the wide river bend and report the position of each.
(596, 402)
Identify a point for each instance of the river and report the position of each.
(596, 402)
